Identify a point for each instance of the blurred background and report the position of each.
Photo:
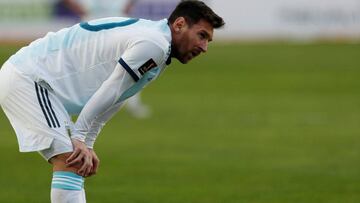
(270, 114)
(246, 20)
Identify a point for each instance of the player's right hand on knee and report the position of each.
(81, 155)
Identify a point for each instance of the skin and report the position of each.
(188, 42)
(75, 7)
(82, 161)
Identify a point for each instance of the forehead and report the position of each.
(203, 25)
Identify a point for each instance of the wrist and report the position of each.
(89, 143)
(78, 137)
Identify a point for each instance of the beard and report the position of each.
(175, 53)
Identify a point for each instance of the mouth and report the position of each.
(194, 54)
(189, 56)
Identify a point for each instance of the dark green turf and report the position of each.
(259, 123)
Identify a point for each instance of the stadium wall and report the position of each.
(246, 20)
(295, 19)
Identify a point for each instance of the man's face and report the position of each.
(190, 41)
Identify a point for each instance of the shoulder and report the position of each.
(151, 38)
(154, 32)
(150, 46)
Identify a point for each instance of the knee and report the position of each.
(59, 163)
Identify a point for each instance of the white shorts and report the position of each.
(40, 120)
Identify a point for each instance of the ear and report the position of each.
(179, 24)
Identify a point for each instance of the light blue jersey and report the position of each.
(75, 61)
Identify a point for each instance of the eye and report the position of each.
(202, 35)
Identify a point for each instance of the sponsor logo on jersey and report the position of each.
(148, 65)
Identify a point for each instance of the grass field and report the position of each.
(247, 123)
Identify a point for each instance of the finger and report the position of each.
(94, 168)
(88, 171)
(78, 159)
(85, 166)
(73, 155)
(96, 163)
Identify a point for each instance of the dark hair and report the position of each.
(193, 11)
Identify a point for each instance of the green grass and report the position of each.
(259, 123)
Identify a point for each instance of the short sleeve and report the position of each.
(141, 57)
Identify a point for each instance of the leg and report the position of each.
(40, 122)
(137, 108)
(59, 163)
(67, 186)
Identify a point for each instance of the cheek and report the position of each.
(189, 40)
(193, 40)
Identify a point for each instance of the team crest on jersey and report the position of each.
(148, 65)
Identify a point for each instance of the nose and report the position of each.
(204, 45)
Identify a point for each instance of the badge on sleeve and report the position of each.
(148, 65)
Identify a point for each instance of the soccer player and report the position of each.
(89, 70)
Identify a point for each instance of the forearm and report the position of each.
(124, 82)
(98, 124)
(102, 105)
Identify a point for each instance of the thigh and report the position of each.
(56, 149)
(57, 154)
(35, 113)
(59, 163)
(6, 76)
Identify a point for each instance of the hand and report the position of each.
(95, 161)
(81, 155)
